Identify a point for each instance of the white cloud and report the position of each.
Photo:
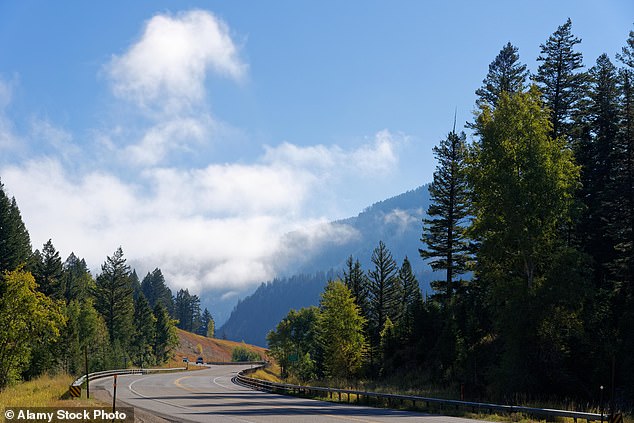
(374, 158)
(166, 68)
(163, 138)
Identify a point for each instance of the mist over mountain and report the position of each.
(395, 221)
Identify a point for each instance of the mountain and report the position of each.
(395, 221)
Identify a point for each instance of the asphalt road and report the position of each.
(210, 396)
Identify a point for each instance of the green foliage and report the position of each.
(444, 231)
(142, 353)
(207, 326)
(242, 353)
(113, 298)
(506, 75)
(15, 243)
(25, 315)
(48, 272)
(166, 338)
(340, 332)
(155, 290)
(561, 85)
(187, 310)
(293, 343)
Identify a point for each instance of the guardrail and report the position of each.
(75, 387)
(365, 396)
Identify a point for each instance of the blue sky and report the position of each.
(194, 134)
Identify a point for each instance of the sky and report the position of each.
(194, 134)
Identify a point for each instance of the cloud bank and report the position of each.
(217, 226)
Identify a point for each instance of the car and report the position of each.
(185, 360)
(200, 360)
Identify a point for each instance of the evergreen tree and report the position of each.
(207, 326)
(166, 338)
(15, 243)
(113, 298)
(135, 284)
(411, 300)
(340, 327)
(444, 231)
(558, 80)
(77, 280)
(155, 290)
(144, 333)
(187, 310)
(506, 75)
(357, 283)
(49, 273)
(384, 295)
(598, 155)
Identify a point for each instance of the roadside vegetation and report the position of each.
(531, 227)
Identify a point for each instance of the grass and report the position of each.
(45, 391)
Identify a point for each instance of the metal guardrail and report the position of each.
(365, 396)
(97, 375)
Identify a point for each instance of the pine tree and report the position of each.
(15, 243)
(598, 156)
(561, 86)
(207, 326)
(77, 280)
(49, 272)
(411, 300)
(357, 283)
(155, 290)
(444, 231)
(166, 338)
(144, 333)
(113, 298)
(506, 75)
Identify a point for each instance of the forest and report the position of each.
(54, 313)
(531, 223)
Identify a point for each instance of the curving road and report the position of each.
(210, 396)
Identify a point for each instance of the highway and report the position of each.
(210, 396)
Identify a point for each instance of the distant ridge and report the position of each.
(396, 221)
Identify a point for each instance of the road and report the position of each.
(210, 396)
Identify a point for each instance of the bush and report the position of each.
(242, 353)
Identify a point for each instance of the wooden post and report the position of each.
(114, 394)
(86, 363)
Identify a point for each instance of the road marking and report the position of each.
(153, 399)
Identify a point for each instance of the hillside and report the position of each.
(213, 349)
(396, 221)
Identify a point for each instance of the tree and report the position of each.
(207, 324)
(113, 298)
(340, 335)
(357, 283)
(444, 231)
(187, 310)
(156, 290)
(411, 300)
(523, 183)
(77, 280)
(15, 243)
(293, 343)
(506, 75)
(25, 315)
(384, 289)
(144, 333)
(49, 272)
(561, 86)
(166, 338)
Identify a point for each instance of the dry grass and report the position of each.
(212, 349)
(45, 391)
(270, 373)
